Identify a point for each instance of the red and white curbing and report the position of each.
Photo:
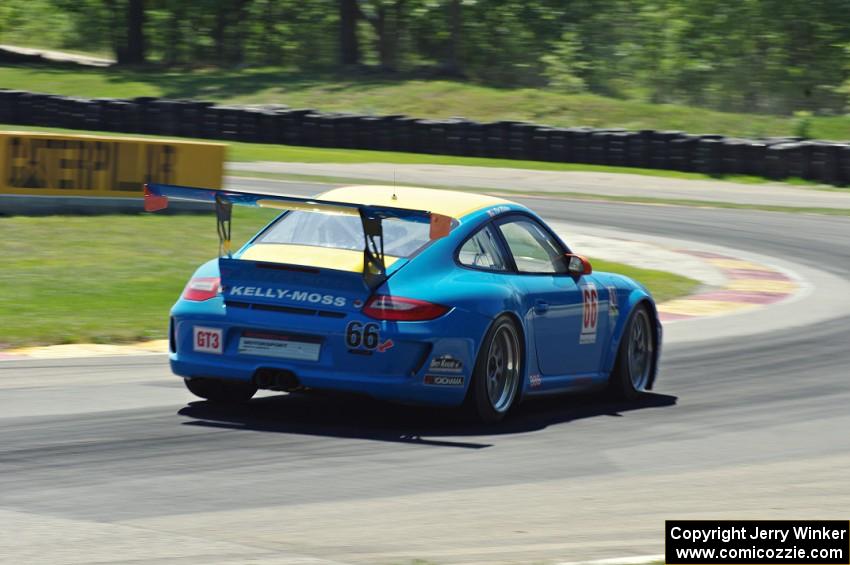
(729, 282)
(749, 285)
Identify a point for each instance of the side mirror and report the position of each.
(578, 265)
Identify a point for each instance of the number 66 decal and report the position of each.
(358, 334)
(365, 336)
(590, 313)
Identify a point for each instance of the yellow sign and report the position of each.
(87, 165)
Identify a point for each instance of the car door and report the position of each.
(563, 309)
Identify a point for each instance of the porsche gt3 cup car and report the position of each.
(408, 294)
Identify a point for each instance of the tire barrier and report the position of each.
(775, 158)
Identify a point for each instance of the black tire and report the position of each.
(497, 375)
(220, 391)
(635, 362)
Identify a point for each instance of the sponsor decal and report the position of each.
(497, 210)
(613, 305)
(446, 364)
(384, 346)
(534, 380)
(444, 380)
(51, 164)
(590, 313)
(275, 345)
(286, 294)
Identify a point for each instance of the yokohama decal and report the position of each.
(444, 380)
(590, 313)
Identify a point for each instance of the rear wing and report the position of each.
(371, 217)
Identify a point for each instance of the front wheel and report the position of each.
(219, 391)
(635, 357)
(497, 374)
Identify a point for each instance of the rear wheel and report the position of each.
(635, 358)
(496, 378)
(219, 391)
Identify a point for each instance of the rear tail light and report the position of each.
(395, 308)
(202, 288)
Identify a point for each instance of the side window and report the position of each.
(481, 251)
(533, 250)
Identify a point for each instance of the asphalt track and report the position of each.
(110, 460)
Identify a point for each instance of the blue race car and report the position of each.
(408, 294)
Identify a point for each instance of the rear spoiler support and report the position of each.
(223, 215)
(374, 268)
(371, 217)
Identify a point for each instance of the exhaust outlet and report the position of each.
(276, 379)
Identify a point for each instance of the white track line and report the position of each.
(631, 560)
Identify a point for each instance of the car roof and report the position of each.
(450, 203)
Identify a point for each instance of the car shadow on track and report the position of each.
(343, 416)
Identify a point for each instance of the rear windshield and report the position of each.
(402, 238)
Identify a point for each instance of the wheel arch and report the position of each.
(524, 347)
(656, 334)
(636, 299)
(523, 351)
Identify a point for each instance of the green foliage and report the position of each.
(763, 56)
(37, 22)
(564, 66)
(844, 89)
(803, 124)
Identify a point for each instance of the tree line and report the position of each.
(775, 56)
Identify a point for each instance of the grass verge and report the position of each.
(77, 279)
(664, 286)
(421, 98)
(112, 279)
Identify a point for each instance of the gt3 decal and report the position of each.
(207, 340)
(590, 313)
(445, 364)
(444, 380)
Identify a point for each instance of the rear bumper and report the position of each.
(400, 389)
(406, 371)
